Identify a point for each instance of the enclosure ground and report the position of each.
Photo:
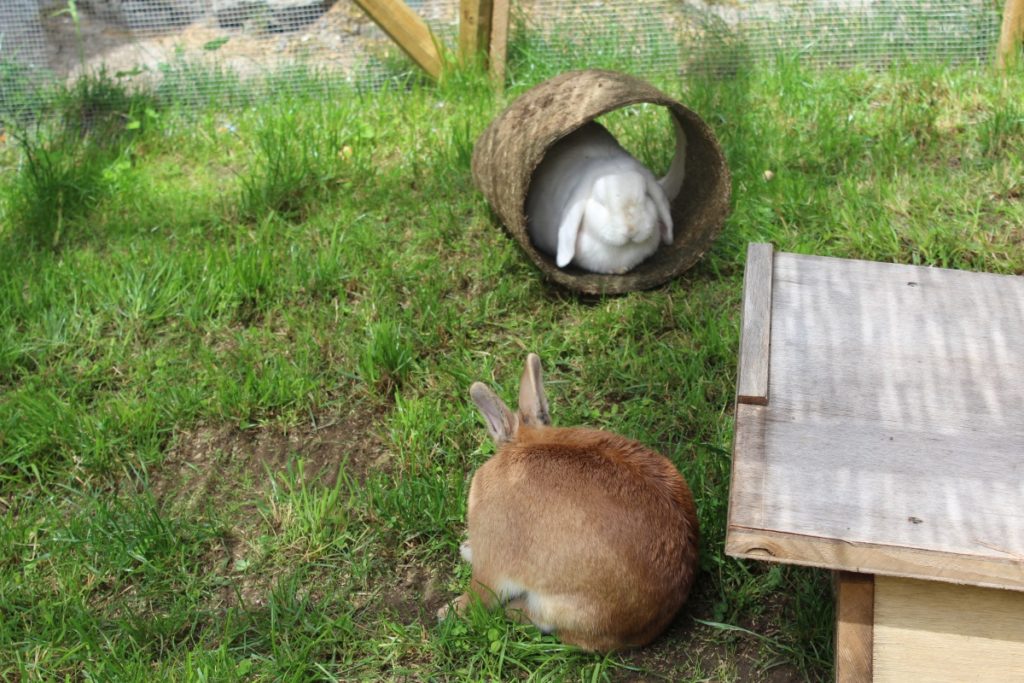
(236, 344)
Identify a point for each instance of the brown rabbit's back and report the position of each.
(591, 516)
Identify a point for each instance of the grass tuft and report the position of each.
(57, 186)
(387, 358)
(73, 156)
(297, 162)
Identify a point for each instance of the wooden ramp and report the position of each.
(880, 430)
(892, 436)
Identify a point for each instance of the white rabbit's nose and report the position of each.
(633, 216)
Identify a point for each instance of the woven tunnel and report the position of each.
(512, 147)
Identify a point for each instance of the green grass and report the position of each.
(236, 345)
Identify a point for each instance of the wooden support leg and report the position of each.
(1012, 33)
(407, 30)
(855, 607)
(474, 28)
(499, 40)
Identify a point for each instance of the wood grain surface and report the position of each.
(1010, 34)
(500, 15)
(894, 439)
(941, 633)
(756, 330)
(474, 28)
(855, 608)
(407, 30)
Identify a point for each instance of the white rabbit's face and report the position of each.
(620, 210)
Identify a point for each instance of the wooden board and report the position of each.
(756, 330)
(855, 609)
(1011, 33)
(893, 442)
(935, 632)
(499, 39)
(407, 30)
(814, 551)
(474, 28)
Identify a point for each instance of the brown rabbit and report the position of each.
(582, 532)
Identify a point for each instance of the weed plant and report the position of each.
(71, 155)
(235, 439)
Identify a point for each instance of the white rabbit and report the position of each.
(592, 204)
(582, 532)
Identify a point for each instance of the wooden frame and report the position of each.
(874, 423)
(888, 452)
(483, 29)
(499, 39)
(855, 616)
(408, 31)
(756, 333)
(945, 633)
(815, 551)
(474, 28)
(1011, 34)
(892, 630)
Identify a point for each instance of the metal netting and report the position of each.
(216, 45)
(723, 35)
(198, 46)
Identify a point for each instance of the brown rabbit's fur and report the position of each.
(582, 532)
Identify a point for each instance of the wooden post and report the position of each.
(474, 28)
(1011, 34)
(408, 30)
(499, 39)
(855, 608)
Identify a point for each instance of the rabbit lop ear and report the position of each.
(569, 228)
(655, 192)
(501, 422)
(672, 183)
(533, 403)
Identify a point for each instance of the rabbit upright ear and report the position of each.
(655, 192)
(569, 228)
(501, 422)
(533, 403)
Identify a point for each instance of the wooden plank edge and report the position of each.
(875, 558)
(855, 626)
(408, 31)
(474, 29)
(755, 326)
(747, 467)
(928, 631)
(1010, 34)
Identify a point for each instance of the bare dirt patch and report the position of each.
(681, 651)
(412, 593)
(217, 459)
(230, 472)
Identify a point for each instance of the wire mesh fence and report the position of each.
(721, 36)
(216, 45)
